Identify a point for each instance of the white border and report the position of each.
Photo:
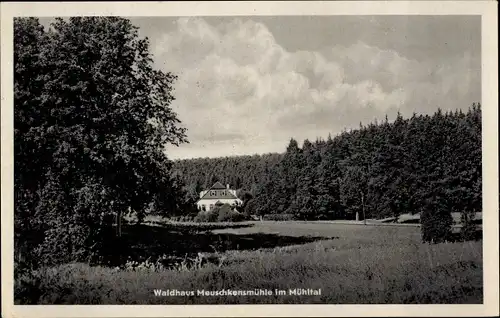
(489, 51)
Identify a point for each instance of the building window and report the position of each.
(203, 207)
(211, 206)
(212, 193)
(223, 193)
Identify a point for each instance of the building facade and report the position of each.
(217, 193)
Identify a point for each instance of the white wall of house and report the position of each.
(210, 203)
(202, 193)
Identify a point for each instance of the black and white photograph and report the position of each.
(250, 159)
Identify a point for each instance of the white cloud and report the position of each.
(240, 92)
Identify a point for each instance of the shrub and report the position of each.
(278, 217)
(27, 288)
(230, 216)
(469, 226)
(221, 213)
(207, 216)
(249, 207)
(436, 221)
(201, 217)
(224, 213)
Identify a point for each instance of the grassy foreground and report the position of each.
(349, 263)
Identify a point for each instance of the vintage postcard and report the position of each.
(249, 159)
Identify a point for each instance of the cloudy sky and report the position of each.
(248, 84)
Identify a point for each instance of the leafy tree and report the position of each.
(436, 219)
(250, 208)
(246, 198)
(91, 119)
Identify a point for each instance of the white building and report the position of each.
(217, 193)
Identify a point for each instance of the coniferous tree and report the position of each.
(384, 168)
(306, 192)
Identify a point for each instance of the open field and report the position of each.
(349, 263)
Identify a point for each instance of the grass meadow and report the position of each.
(351, 264)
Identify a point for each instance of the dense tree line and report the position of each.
(384, 169)
(244, 173)
(91, 118)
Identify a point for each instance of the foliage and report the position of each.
(207, 216)
(227, 214)
(220, 213)
(249, 208)
(387, 168)
(469, 225)
(436, 220)
(91, 119)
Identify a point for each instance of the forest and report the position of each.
(384, 169)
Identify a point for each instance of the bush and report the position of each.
(224, 213)
(470, 228)
(206, 216)
(230, 216)
(436, 221)
(26, 287)
(221, 213)
(278, 217)
(249, 207)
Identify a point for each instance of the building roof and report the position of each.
(217, 186)
(218, 191)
